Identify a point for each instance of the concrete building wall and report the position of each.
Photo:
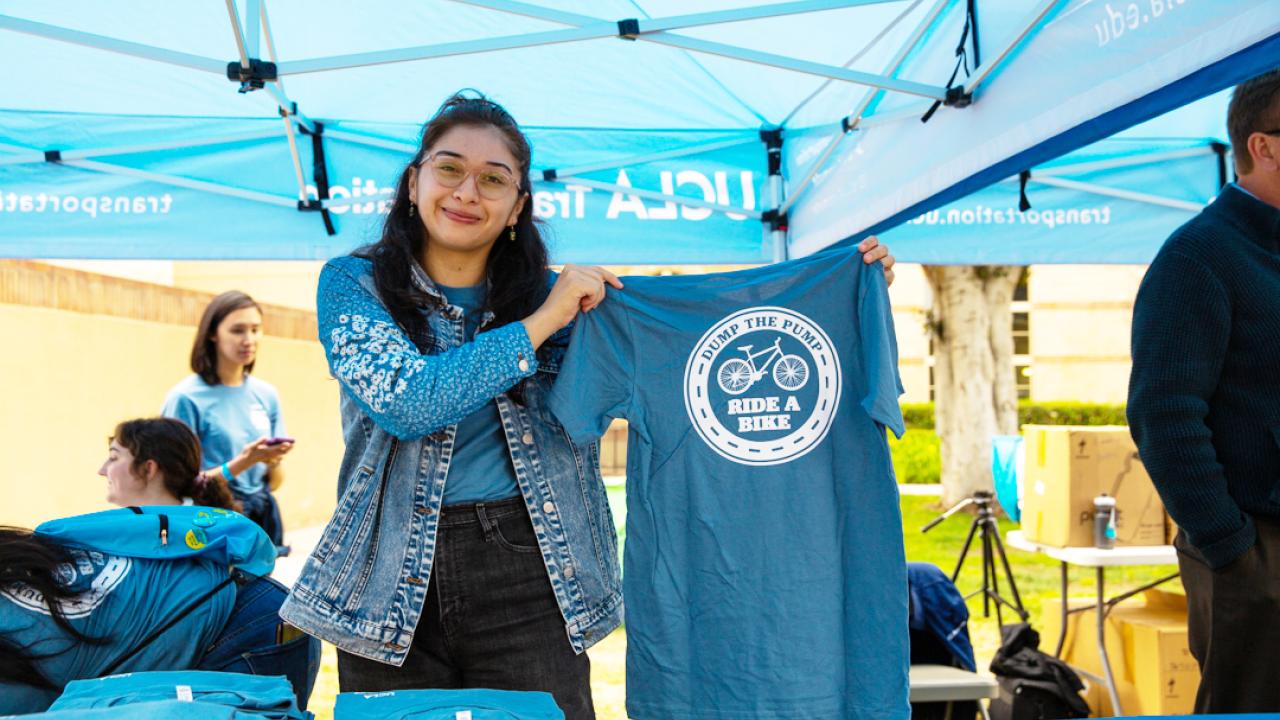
(1080, 324)
(69, 375)
(81, 362)
(1079, 320)
(288, 283)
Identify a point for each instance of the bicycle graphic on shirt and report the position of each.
(736, 376)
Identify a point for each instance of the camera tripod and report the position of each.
(985, 521)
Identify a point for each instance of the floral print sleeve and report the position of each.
(405, 392)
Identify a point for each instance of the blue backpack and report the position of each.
(254, 639)
(161, 532)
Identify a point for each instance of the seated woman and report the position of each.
(96, 594)
(156, 461)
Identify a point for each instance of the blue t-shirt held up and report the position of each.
(765, 574)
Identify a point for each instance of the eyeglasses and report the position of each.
(450, 172)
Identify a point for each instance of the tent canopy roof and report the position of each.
(649, 112)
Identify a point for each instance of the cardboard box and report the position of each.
(1147, 644)
(1067, 467)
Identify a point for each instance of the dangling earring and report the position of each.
(413, 210)
(512, 228)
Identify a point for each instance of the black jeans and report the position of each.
(491, 619)
(1233, 624)
(262, 508)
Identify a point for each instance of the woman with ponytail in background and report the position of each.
(156, 461)
(73, 607)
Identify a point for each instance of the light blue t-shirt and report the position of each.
(480, 469)
(226, 418)
(252, 696)
(765, 575)
(447, 705)
(121, 598)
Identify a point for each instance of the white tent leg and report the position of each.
(1118, 193)
(370, 141)
(252, 12)
(183, 182)
(865, 49)
(238, 33)
(654, 31)
(257, 16)
(1033, 21)
(856, 116)
(99, 42)
(654, 157)
(1147, 159)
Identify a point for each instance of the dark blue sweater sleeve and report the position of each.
(1181, 330)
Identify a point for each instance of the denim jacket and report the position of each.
(364, 586)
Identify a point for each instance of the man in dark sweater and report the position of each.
(1204, 407)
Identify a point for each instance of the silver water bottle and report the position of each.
(1104, 522)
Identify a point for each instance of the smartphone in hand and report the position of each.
(279, 440)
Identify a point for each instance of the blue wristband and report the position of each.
(226, 472)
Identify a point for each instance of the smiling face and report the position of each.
(236, 337)
(124, 488)
(460, 219)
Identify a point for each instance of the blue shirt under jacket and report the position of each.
(481, 468)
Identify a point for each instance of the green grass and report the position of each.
(1037, 576)
(917, 457)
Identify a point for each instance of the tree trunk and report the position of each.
(974, 389)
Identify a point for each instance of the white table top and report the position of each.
(1095, 557)
(939, 683)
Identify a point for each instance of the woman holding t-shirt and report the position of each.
(235, 414)
(472, 545)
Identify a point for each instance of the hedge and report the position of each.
(916, 457)
(920, 415)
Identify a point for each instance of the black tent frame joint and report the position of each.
(549, 175)
(958, 98)
(776, 220)
(629, 29)
(53, 156)
(254, 77)
(772, 139)
(1221, 149)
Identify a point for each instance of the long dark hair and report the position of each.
(204, 351)
(516, 271)
(175, 450)
(29, 560)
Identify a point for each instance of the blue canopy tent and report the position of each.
(1113, 201)
(664, 132)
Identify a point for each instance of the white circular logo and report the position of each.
(762, 385)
